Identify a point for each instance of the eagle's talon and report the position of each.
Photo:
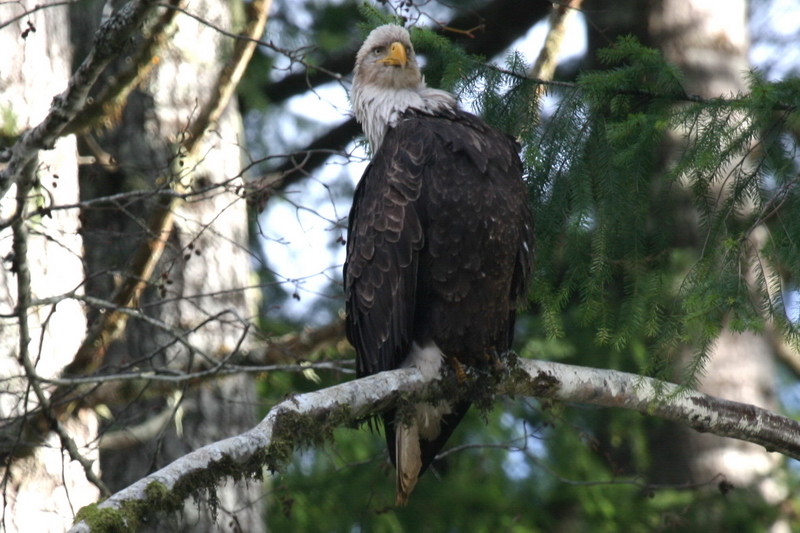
(461, 376)
(495, 361)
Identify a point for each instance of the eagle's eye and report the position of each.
(378, 50)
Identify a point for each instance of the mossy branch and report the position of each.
(308, 419)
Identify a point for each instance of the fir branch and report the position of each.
(669, 96)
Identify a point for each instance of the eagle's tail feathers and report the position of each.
(408, 459)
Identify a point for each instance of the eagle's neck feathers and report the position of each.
(378, 108)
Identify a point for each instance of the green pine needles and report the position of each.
(661, 217)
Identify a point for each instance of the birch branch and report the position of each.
(308, 419)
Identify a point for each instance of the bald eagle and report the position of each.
(439, 245)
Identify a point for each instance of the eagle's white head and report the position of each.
(387, 81)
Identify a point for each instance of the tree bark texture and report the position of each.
(197, 294)
(42, 490)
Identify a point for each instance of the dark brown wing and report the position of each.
(385, 236)
(475, 264)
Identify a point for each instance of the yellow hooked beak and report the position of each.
(396, 57)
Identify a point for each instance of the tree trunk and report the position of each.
(198, 291)
(197, 306)
(42, 490)
(709, 41)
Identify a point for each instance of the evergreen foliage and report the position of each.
(609, 227)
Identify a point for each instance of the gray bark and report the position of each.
(198, 292)
(709, 41)
(42, 490)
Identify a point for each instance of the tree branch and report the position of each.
(109, 40)
(302, 163)
(20, 239)
(502, 22)
(232, 73)
(310, 418)
(545, 65)
(100, 105)
(649, 396)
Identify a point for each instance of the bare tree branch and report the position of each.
(309, 419)
(112, 324)
(109, 39)
(545, 65)
(117, 88)
(501, 23)
(34, 9)
(233, 71)
(302, 163)
(20, 236)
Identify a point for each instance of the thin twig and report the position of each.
(23, 275)
(34, 9)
